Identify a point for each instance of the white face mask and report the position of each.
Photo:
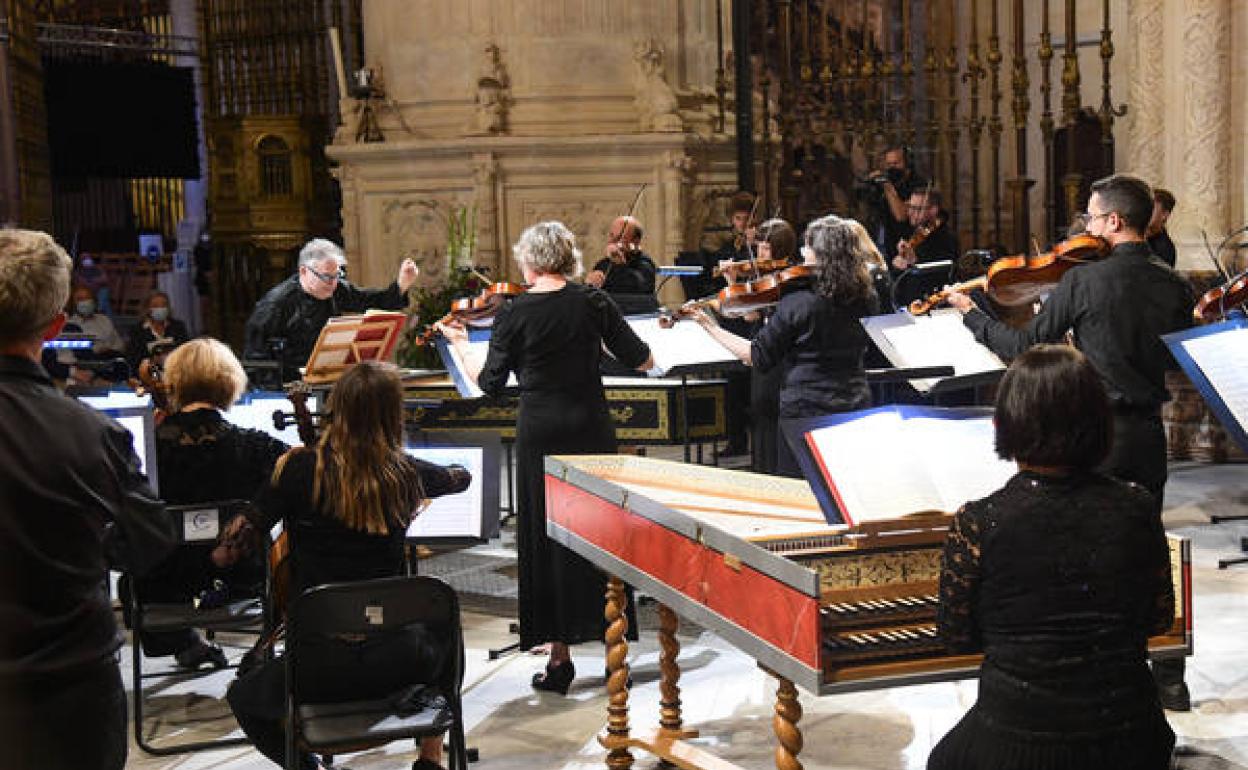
(159, 313)
(85, 307)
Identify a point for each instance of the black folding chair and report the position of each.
(361, 611)
(197, 526)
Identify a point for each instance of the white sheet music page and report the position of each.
(873, 469)
(684, 344)
(480, 349)
(1221, 358)
(940, 339)
(961, 458)
(451, 516)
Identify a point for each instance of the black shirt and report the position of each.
(72, 503)
(143, 339)
(631, 284)
(553, 342)
(322, 548)
(204, 458)
(1118, 308)
(820, 346)
(941, 244)
(1163, 247)
(289, 313)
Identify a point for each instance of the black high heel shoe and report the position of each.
(555, 678)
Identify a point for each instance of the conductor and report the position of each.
(286, 322)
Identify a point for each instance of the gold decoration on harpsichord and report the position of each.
(877, 569)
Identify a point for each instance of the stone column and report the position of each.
(1147, 94)
(485, 193)
(186, 25)
(1206, 47)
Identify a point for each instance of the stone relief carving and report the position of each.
(415, 226)
(1206, 75)
(493, 97)
(1147, 92)
(589, 221)
(656, 103)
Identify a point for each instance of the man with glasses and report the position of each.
(1117, 308)
(930, 238)
(286, 322)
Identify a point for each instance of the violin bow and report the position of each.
(749, 250)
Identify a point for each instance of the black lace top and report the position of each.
(1059, 581)
(201, 457)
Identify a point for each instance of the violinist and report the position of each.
(626, 273)
(885, 192)
(1158, 239)
(814, 336)
(286, 322)
(930, 238)
(1117, 308)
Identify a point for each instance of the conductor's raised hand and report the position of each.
(407, 275)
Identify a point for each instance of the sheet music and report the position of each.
(940, 339)
(1221, 358)
(452, 516)
(138, 428)
(872, 468)
(684, 344)
(885, 465)
(467, 387)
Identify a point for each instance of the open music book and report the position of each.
(349, 339)
(1213, 358)
(934, 340)
(684, 346)
(896, 460)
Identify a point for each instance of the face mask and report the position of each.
(88, 262)
(895, 175)
(86, 307)
(159, 313)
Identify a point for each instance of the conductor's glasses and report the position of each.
(330, 278)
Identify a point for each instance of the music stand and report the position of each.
(1212, 356)
(347, 340)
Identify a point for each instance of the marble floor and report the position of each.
(730, 700)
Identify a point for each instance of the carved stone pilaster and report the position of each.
(485, 191)
(1147, 149)
(677, 176)
(1206, 113)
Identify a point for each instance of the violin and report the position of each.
(1021, 279)
(150, 382)
(1221, 300)
(475, 311)
(923, 232)
(769, 265)
(741, 299)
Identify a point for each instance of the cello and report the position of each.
(1021, 279)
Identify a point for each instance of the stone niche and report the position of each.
(529, 111)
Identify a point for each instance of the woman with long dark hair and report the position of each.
(814, 336)
(346, 503)
(1059, 578)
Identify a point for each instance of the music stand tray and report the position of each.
(347, 340)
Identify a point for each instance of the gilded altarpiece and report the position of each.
(25, 170)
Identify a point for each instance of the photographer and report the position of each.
(885, 191)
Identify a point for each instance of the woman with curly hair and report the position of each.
(814, 336)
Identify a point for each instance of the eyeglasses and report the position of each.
(916, 209)
(1088, 217)
(327, 278)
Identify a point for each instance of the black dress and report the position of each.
(1059, 581)
(553, 342)
(819, 345)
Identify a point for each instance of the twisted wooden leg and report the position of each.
(788, 714)
(619, 757)
(669, 690)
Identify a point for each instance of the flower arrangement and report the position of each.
(432, 303)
